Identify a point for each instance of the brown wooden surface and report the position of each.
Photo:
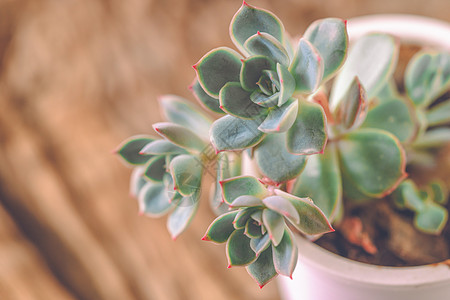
(78, 77)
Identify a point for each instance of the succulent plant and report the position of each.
(295, 120)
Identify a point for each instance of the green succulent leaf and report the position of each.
(431, 219)
(160, 147)
(434, 138)
(263, 270)
(427, 76)
(204, 99)
(282, 206)
(265, 44)
(137, 181)
(243, 216)
(257, 216)
(410, 195)
(287, 84)
(155, 168)
(248, 20)
(280, 119)
(246, 201)
(274, 223)
(238, 250)
(274, 160)
(285, 255)
(439, 191)
(180, 136)
(186, 170)
(231, 133)
(373, 160)
(153, 200)
(352, 110)
(129, 150)
(312, 219)
(372, 59)
(308, 134)
(260, 244)
(235, 187)
(439, 114)
(216, 68)
(252, 230)
(252, 69)
(236, 101)
(330, 38)
(221, 228)
(389, 91)
(321, 181)
(182, 215)
(395, 116)
(307, 67)
(180, 111)
(265, 100)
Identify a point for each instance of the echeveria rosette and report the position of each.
(168, 172)
(257, 233)
(359, 162)
(427, 203)
(256, 89)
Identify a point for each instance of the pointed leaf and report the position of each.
(205, 100)
(439, 114)
(285, 255)
(263, 270)
(129, 150)
(373, 160)
(372, 59)
(395, 116)
(137, 181)
(287, 84)
(239, 252)
(216, 68)
(308, 134)
(264, 44)
(159, 147)
(321, 181)
(252, 230)
(280, 119)
(248, 20)
(352, 110)
(236, 101)
(187, 172)
(251, 71)
(243, 216)
(246, 201)
(274, 223)
(260, 244)
(221, 228)
(155, 168)
(307, 67)
(182, 215)
(330, 38)
(431, 219)
(153, 200)
(282, 206)
(312, 219)
(232, 188)
(180, 136)
(434, 138)
(231, 133)
(427, 76)
(180, 111)
(274, 160)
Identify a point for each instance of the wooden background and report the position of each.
(76, 78)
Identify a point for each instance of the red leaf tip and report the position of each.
(245, 3)
(290, 276)
(205, 238)
(345, 22)
(195, 67)
(174, 237)
(229, 266)
(242, 60)
(259, 33)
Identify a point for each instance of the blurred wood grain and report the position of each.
(78, 77)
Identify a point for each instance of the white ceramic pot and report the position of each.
(322, 275)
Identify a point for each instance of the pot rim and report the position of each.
(410, 29)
